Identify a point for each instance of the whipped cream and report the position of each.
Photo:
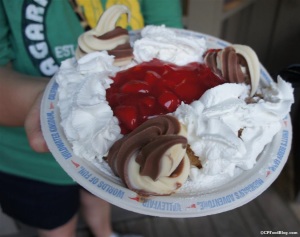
(86, 117)
(164, 44)
(225, 132)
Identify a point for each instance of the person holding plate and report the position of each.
(35, 37)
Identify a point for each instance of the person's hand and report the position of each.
(33, 127)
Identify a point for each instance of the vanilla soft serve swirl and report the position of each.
(152, 159)
(106, 36)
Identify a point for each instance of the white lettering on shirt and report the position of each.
(35, 31)
(35, 37)
(64, 51)
(34, 13)
(38, 50)
(48, 67)
(42, 2)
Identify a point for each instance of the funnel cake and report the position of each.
(170, 99)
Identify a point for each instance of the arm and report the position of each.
(20, 98)
(17, 94)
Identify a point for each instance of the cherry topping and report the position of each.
(169, 101)
(127, 116)
(155, 88)
(135, 87)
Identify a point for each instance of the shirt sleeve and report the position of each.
(158, 12)
(6, 53)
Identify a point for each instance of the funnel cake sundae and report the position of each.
(169, 113)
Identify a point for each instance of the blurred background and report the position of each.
(272, 29)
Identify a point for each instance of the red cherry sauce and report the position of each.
(155, 88)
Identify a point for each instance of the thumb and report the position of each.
(33, 127)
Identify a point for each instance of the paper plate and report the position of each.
(246, 186)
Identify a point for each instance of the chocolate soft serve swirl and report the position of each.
(106, 36)
(152, 159)
(236, 64)
(231, 69)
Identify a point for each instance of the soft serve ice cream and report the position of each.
(236, 64)
(152, 160)
(227, 127)
(106, 36)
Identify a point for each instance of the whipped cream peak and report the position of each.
(277, 98)
(96, 62)
(164, 44)
(86, 117)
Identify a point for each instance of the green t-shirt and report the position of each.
(36, 36)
